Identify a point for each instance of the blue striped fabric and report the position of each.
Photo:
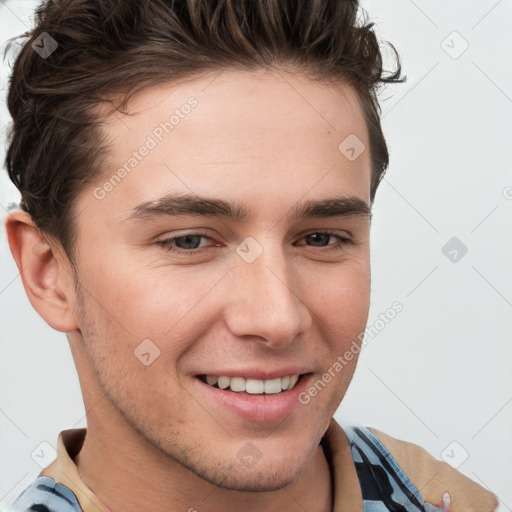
(385, 487)
(44, 495)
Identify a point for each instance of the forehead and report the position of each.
(235, 133)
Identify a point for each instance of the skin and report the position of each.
(268, 140)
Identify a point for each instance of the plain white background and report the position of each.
(439, 374)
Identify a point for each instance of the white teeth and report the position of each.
(273, 386)
(223, 382)
(293, 381)
(254, 386)
(237, 384)
(211, 380)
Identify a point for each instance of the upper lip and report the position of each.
(258, 373)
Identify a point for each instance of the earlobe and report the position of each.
(45, 271)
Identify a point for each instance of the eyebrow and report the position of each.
(188, 204)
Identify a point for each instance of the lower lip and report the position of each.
(258, 408)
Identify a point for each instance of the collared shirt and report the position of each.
(370, 471)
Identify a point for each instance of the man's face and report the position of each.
(168, 296)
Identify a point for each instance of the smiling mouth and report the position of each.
(252, 386)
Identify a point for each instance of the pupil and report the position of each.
(315, 236)
(189, 239)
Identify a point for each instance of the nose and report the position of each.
(266, 299)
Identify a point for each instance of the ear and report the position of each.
(45, 270)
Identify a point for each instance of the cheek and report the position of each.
(341, 299)
(134, 368)
(156, 302)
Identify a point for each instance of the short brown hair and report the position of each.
(110, 47)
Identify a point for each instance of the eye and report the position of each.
(189, 243)
(321, 239)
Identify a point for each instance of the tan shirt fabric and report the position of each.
(430, 476)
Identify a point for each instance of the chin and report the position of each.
(263, 475)
(244, 480)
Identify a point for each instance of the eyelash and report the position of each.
(339, 246)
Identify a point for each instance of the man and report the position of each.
(197, 181)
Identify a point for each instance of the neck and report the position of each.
(128, 474)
